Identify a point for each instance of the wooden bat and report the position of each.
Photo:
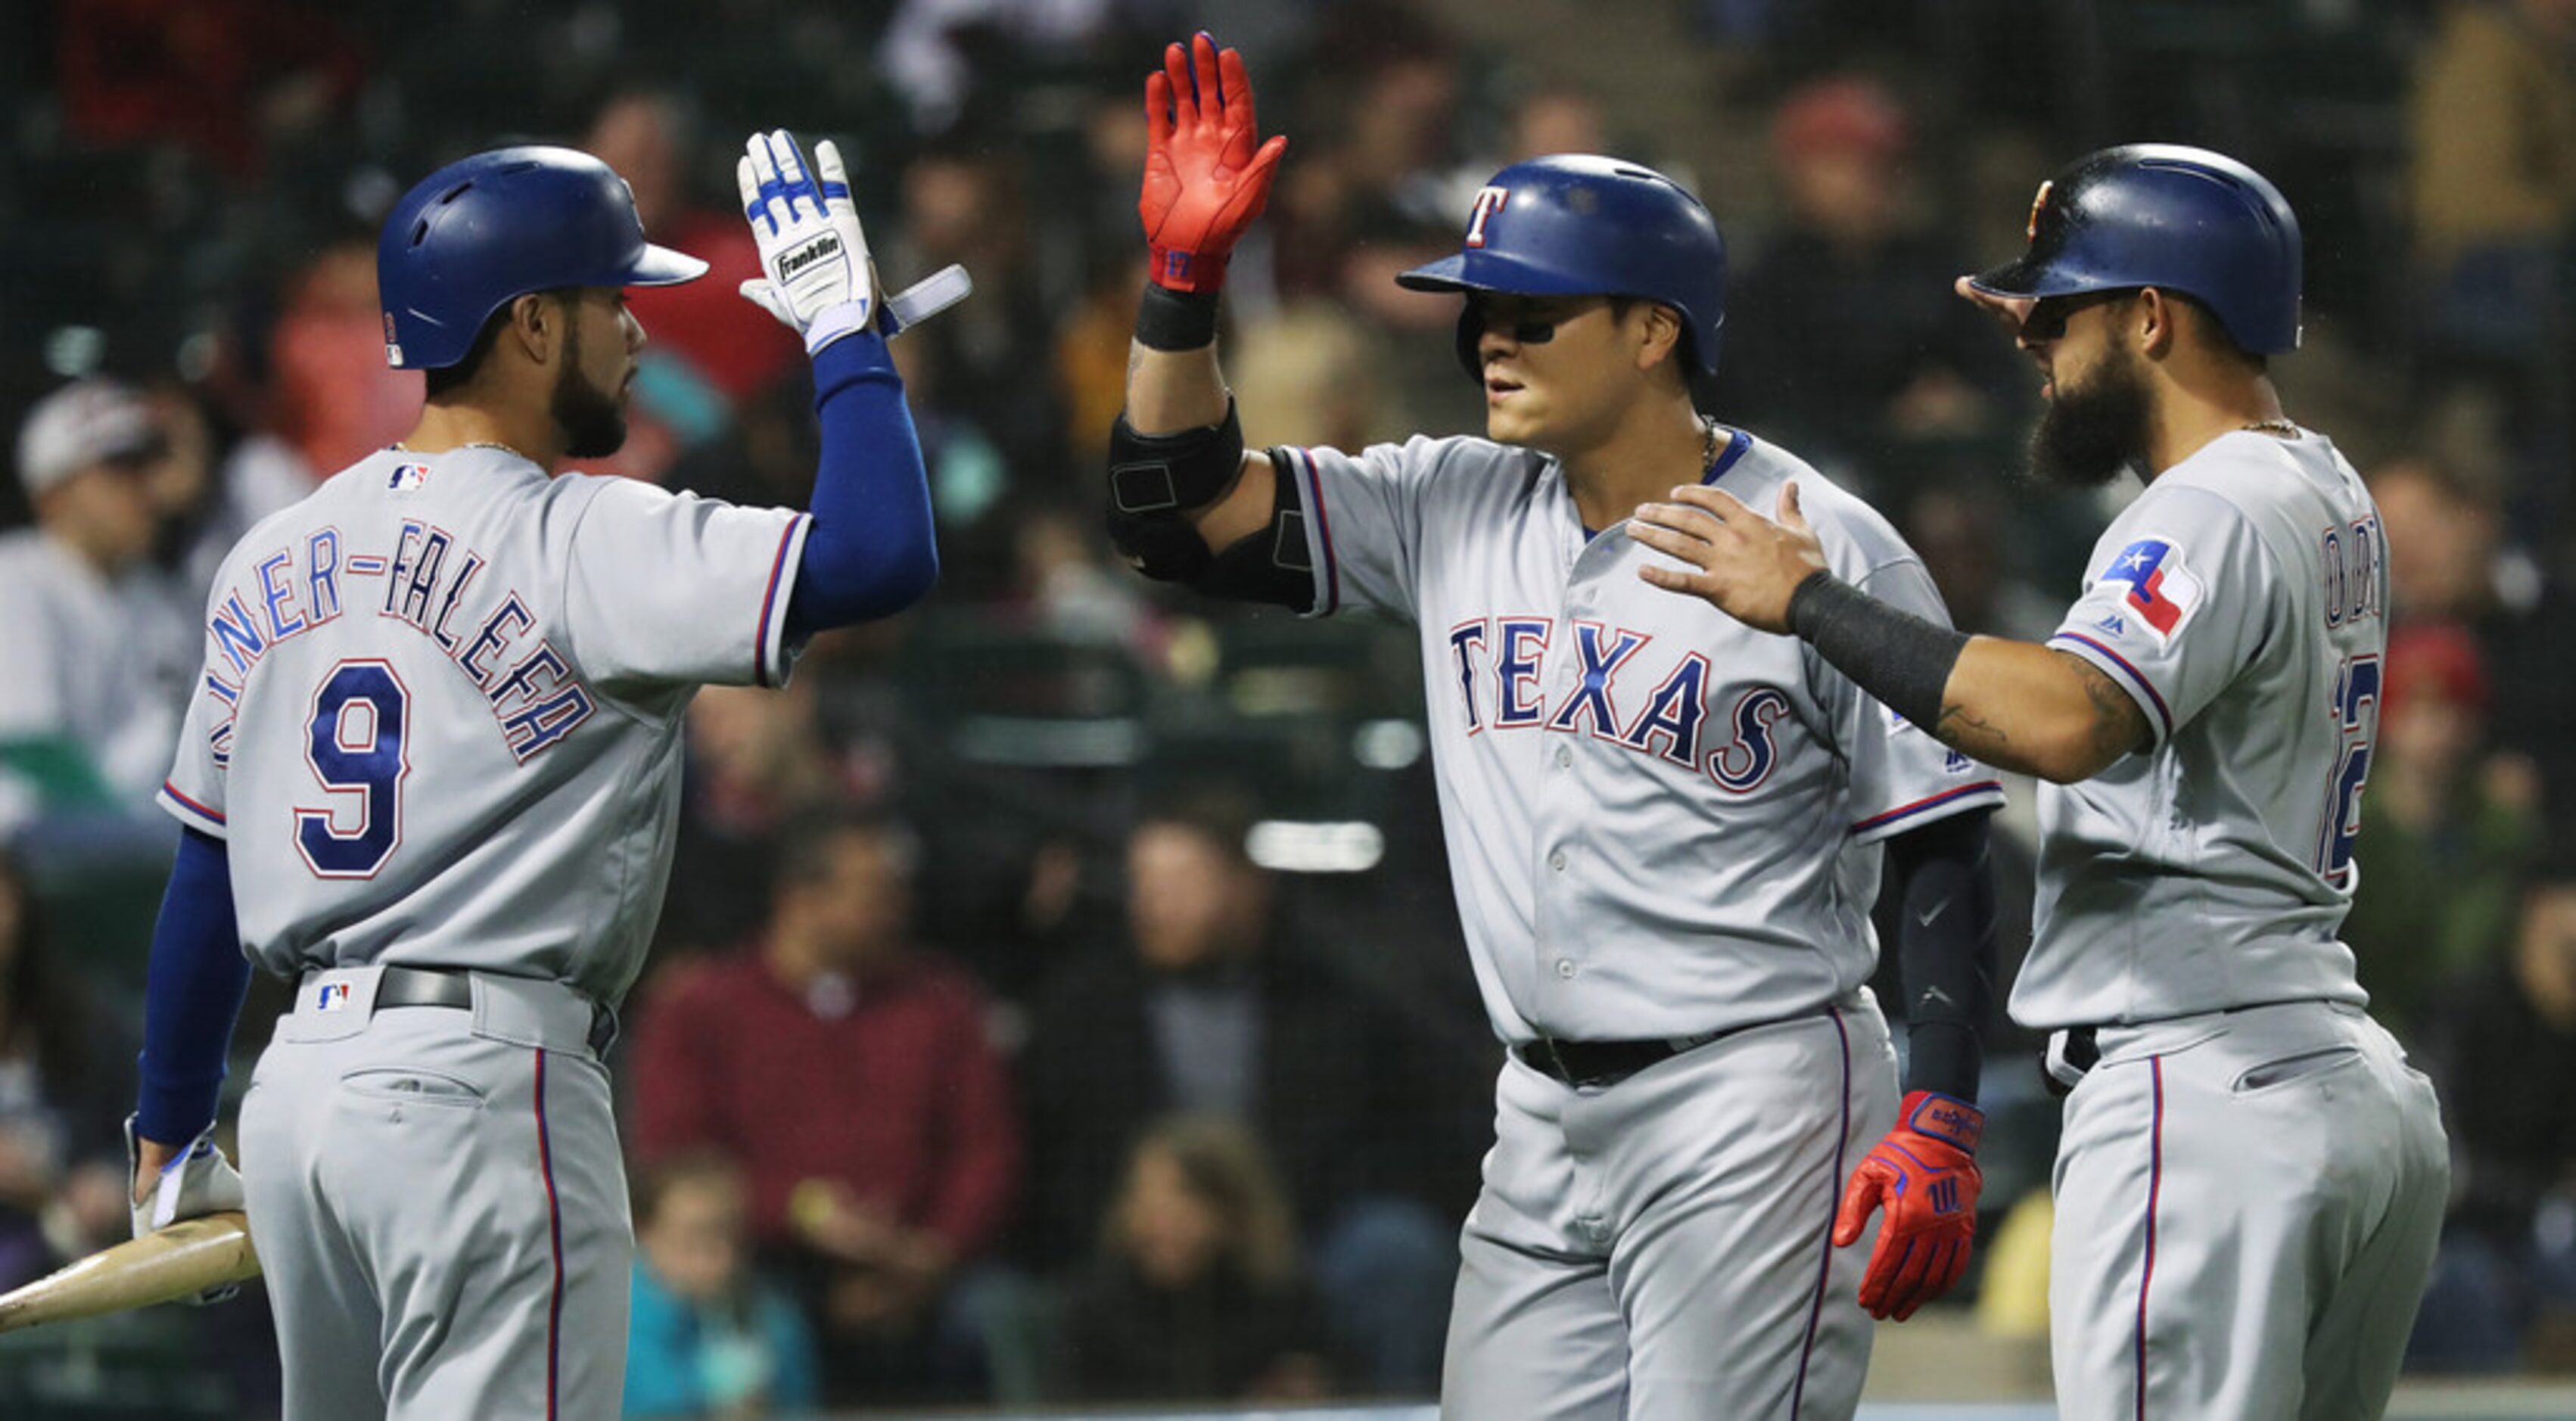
(184, 1259)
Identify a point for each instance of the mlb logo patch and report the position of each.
(331, 996)
(408, 477)
(2162, 592)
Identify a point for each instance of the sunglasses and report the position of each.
(1531, 327)
(2047, 320)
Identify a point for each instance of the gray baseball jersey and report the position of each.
(2189, 898)
(1660, 822)
(403, 666)
(2239, 601)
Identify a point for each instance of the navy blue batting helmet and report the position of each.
(483, 231)
(2175, 218)
(1573, 224)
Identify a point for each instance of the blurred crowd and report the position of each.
(1059, 994)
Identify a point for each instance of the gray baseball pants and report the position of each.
(1659, 1249)
(439, 1205)
(2247, 1204)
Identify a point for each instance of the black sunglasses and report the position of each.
(1533, 327)
(2047, 319)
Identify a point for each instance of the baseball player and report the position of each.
(2251, 1177)
(1666, 828)
(431, 772)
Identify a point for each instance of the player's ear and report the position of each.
(1663, 335)
(537, 322)
(2151, 316)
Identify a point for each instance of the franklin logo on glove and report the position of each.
(790, 263)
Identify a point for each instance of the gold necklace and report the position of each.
(2281, 427)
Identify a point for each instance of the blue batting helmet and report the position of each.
(1577, 225)
(481, 232)
(2179, 219)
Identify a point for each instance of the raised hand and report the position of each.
(1205, 180)
(818, 279)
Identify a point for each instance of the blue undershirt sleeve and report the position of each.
(872, 550)
(192, 994)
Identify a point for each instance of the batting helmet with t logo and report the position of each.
(483, 231)
(1573, 224)
(2184, 220)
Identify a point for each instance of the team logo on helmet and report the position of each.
(1488, 202)
(2038, 204)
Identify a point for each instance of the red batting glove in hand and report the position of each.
(1204, 183)
(1925, 1175)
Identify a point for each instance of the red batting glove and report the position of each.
(1204, 183)
(1925, 1175)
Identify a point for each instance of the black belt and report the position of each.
(437, 987)
(1602, 1063)
(2069, 1054)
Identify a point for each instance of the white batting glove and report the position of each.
(198, 1182)
(819, 280)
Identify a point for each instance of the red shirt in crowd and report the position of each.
(890, 1088)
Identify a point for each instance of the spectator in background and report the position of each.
(1066, 585)
(2492, 188)
(1312, 371)
(2442, 537)
(709, 349)
(66, 1071)
(850, 1074)
(2503, 1048)
(2447, 564)
(1552, 119)
(2452, 831)
(217, 482)
(962, 203)
(759, 761)
(1963, 531)
(335, 399)
(224, 77)
(1195, 1294)
(1210, 1008)
(708, 1337)
(1849, 337)
(100, 655)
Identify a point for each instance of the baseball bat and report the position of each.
(184, 1259)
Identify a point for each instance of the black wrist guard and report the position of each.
(1176, 320)
(1893, 654)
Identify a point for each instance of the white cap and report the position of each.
(81, 424)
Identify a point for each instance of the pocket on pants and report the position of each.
(2298, 1066)
(413, 1086)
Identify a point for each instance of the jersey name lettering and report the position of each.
(2352, 557)
(1500, 666)
(429, 586)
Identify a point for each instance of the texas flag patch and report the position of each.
(2162, 592)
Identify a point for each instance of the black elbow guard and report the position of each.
(1274, 564)
(1157, 480)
